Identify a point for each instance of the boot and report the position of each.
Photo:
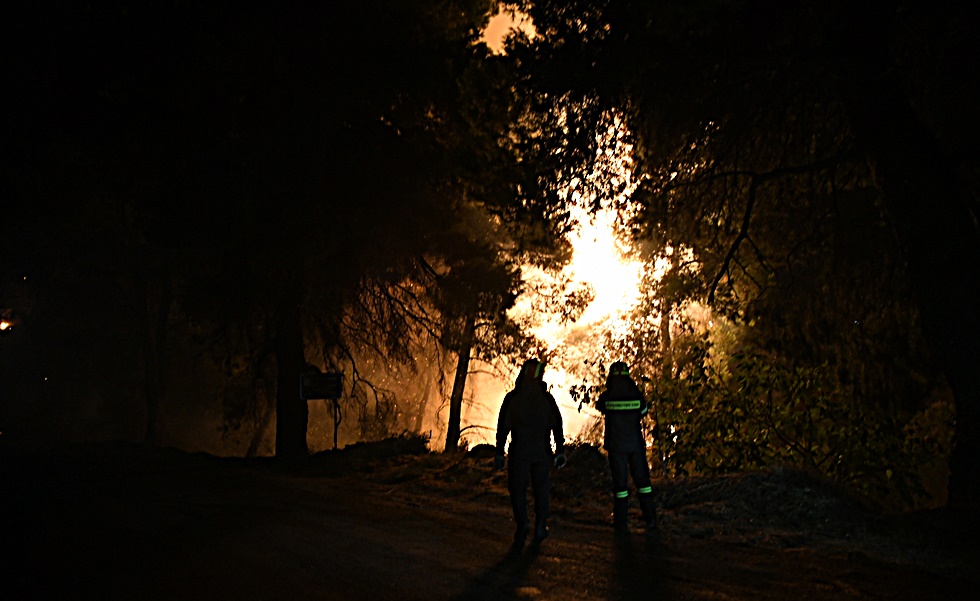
(621, 509)
(540, 530)
(520, 535)
(649, 512)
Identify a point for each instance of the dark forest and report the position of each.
(201, 203)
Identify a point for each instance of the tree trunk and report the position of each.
(667, 373)
(419, 416)
(666, 346)
(156, 322)
(292, 412)
(338, 417)
(935, 222)
(459, 383)
(667, 355)
(262, 426)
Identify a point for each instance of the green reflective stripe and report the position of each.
(644, 410)
(645, 490)
(537, 370)
(622, 494)
(623, 405)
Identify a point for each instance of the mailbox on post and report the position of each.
(318, 385)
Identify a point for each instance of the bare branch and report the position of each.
(742, 235)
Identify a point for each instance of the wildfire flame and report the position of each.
(599, 261)
(602, 264)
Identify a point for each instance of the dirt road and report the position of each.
(172, 526)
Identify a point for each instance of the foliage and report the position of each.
(760, 410)
(757, 188)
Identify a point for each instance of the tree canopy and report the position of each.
(797, 151)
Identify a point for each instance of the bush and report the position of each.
(762, 412)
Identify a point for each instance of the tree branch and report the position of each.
(742, 235)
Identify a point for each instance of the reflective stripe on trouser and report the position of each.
(625, 465)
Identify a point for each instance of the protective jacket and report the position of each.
(623, 406)
(530, 415)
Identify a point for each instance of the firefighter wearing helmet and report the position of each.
(623, 406)
(530, 416)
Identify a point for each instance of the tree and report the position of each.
(762, 136)
(474, 294)
(293, 155)
(919, 170)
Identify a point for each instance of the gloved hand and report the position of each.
(560, 460)
(498, 462)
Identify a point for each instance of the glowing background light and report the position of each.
(501, 24)
(600, 265)
(599, 262)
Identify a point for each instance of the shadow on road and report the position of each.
(503, 580)
(640, 569)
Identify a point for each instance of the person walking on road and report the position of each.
(530, 416)
(623, 406)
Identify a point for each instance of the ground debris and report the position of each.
(780, 508)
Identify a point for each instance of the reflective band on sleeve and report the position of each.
(645, 490)
(622, 494)
(622, 405)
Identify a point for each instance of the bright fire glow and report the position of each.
(599, 260)
(602, 267)
(602, 263)
(5, 325)
(501, 24)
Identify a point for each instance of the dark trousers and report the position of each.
(520, 473)
(624, 465)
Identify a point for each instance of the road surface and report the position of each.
(103, 526)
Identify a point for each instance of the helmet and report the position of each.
(619, 369)
(533, 369)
